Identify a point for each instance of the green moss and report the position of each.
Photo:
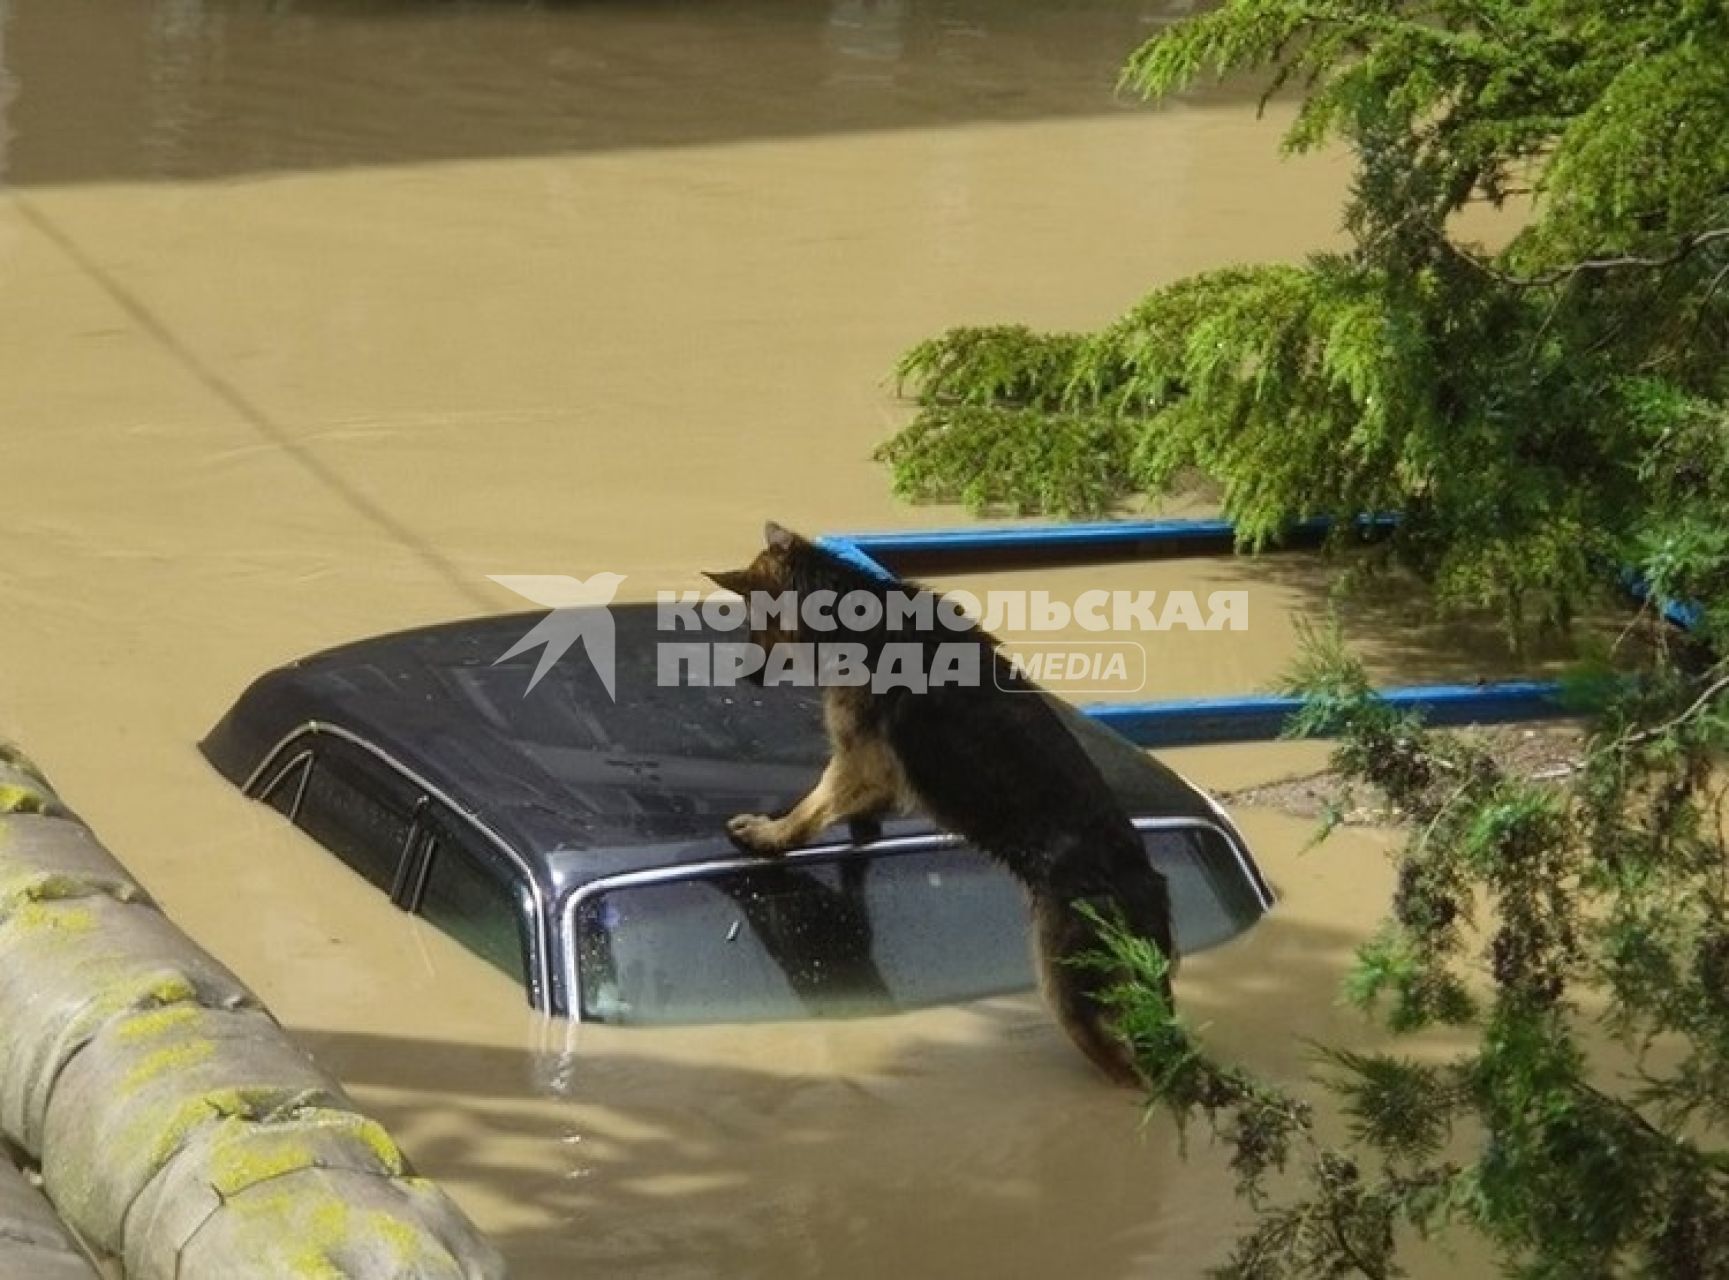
(367, 1133)
(57, 917)
(317, 1267)
(247, 1154)
(156, 1022)
(245, 1157)
(319, 1227)
(406, 1242)
(321, 1231)
(381, 1144)
(160, 1132)
(171, 1057)
(16, 798)
(30, 884)
(170, 989)
(329, 1221)
(316, 1227)
(117, 995)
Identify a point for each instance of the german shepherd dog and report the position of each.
(990, 761)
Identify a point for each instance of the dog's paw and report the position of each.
(755, 833)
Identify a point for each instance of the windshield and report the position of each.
(854, 932)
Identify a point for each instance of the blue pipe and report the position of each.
(1163, 537)
(848, 549)
(1685, 614)
(1250, 718)
(1188, 722)
(1098, 535)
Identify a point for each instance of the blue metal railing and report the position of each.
(920, 550)
(1186, 721)
(1191, 722)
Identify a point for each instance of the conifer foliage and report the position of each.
(1533, 412)
(1540, 415)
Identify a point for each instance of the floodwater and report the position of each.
(313, 313)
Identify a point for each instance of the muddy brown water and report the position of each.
(313, 314)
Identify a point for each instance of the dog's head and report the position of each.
(770, 574)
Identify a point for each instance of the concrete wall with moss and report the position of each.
(177, 1128)
(33, 1243)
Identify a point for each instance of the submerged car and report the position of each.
(576, 839)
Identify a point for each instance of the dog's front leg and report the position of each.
(854, 785)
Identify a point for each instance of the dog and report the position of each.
(988, 760)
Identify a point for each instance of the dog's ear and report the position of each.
(737, 581)
(778, 538)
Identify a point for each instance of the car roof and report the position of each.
(580, 784)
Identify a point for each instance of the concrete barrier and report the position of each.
(33, 1244)
(177, 1126)
(70, 967)
(23, 789)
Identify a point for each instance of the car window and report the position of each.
(473, 906)
(862, 934)
(356, 808)
(1214, 895)
(859, 933)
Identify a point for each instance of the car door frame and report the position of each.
(439, 830)
(298, 752)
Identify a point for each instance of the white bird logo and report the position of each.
(578, 613)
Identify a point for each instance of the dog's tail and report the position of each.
(1073, 963)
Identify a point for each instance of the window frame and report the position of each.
(382, 787)
(437, 831)
(301, 747)
(891, 846)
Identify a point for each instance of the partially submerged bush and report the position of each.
(1560, 925)
(1541, 416)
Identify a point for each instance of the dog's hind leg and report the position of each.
(1067, 943)
(1075, 970)
(858, 785)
